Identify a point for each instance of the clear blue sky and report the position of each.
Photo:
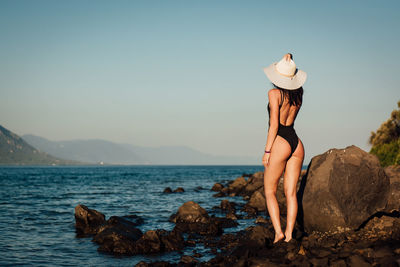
(190, 73)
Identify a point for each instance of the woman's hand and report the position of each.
(265, 159)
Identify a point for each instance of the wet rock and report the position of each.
(343, 188)
(172, 241)
(133, 218)
(149, 243)
(155, 264)
(87, 221)
(393, 203)
(217, 187)
(211, 228)
(219, 194)
(167, 190)
(258, 236)
(228, 206)
(257, 201)
(117, 236)
(179, 190)
(261, 220)
(190, 212)
(357, 260)
(237, 185)
(231, 216)
(251, 212)
(188, 260)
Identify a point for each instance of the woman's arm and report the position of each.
(273, 96)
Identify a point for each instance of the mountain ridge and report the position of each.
(99, 150)
(14, 150)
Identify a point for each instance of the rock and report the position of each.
(190, 212)
(219, 194)
(155, 264)
(237, 185)
(254, 183)
(261, 220)
(393, 203)
(342, 189)
(117, 236)
(150, 242)
(357, 260)
(87, 221)
(257, 201)
(136, 220)
(211, 228)
(172, 241)
(217, 187)
(227, 206)
(258, 236)
(188, 260)
(167, 190)
(231, 216)
(179, 190)
(338, 263)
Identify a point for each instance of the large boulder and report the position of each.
(190, 212)
(393, 203)
(342, 189)
(118, 236)
(87, 221)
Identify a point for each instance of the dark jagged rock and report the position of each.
(210, 228)
(117, 236)
(136, 220)
(87, 221)
(188, 260)
(167, 190)
(236, 186)
(228, 206)
(155, 264)
(179, 190)
(217, 187)
(342, 189)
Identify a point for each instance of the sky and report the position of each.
(167, 73)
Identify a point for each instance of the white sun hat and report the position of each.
(285, 74)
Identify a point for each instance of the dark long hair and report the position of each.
(295, 96)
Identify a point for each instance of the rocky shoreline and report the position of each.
(349, 215)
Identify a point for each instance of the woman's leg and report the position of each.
(279, 152)
(292, 173)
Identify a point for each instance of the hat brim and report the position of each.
(290, 83)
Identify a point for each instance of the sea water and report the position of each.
(37, 208)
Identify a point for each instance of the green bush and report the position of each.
(386, 141)
(388, 154)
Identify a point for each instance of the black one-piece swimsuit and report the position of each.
(287, 132)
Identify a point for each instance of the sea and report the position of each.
(37, 223)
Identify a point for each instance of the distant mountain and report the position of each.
(15, 151)
(96, 151)
(93, 151)
(177, 155)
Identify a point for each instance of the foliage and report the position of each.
(388, 131)
(388, 154)
(386, 141)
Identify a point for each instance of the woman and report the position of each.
(283, 150)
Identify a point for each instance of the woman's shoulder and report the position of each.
(274, 93)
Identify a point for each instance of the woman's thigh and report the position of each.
(293, 169)
(280, 151)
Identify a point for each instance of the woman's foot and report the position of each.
(278, 237)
